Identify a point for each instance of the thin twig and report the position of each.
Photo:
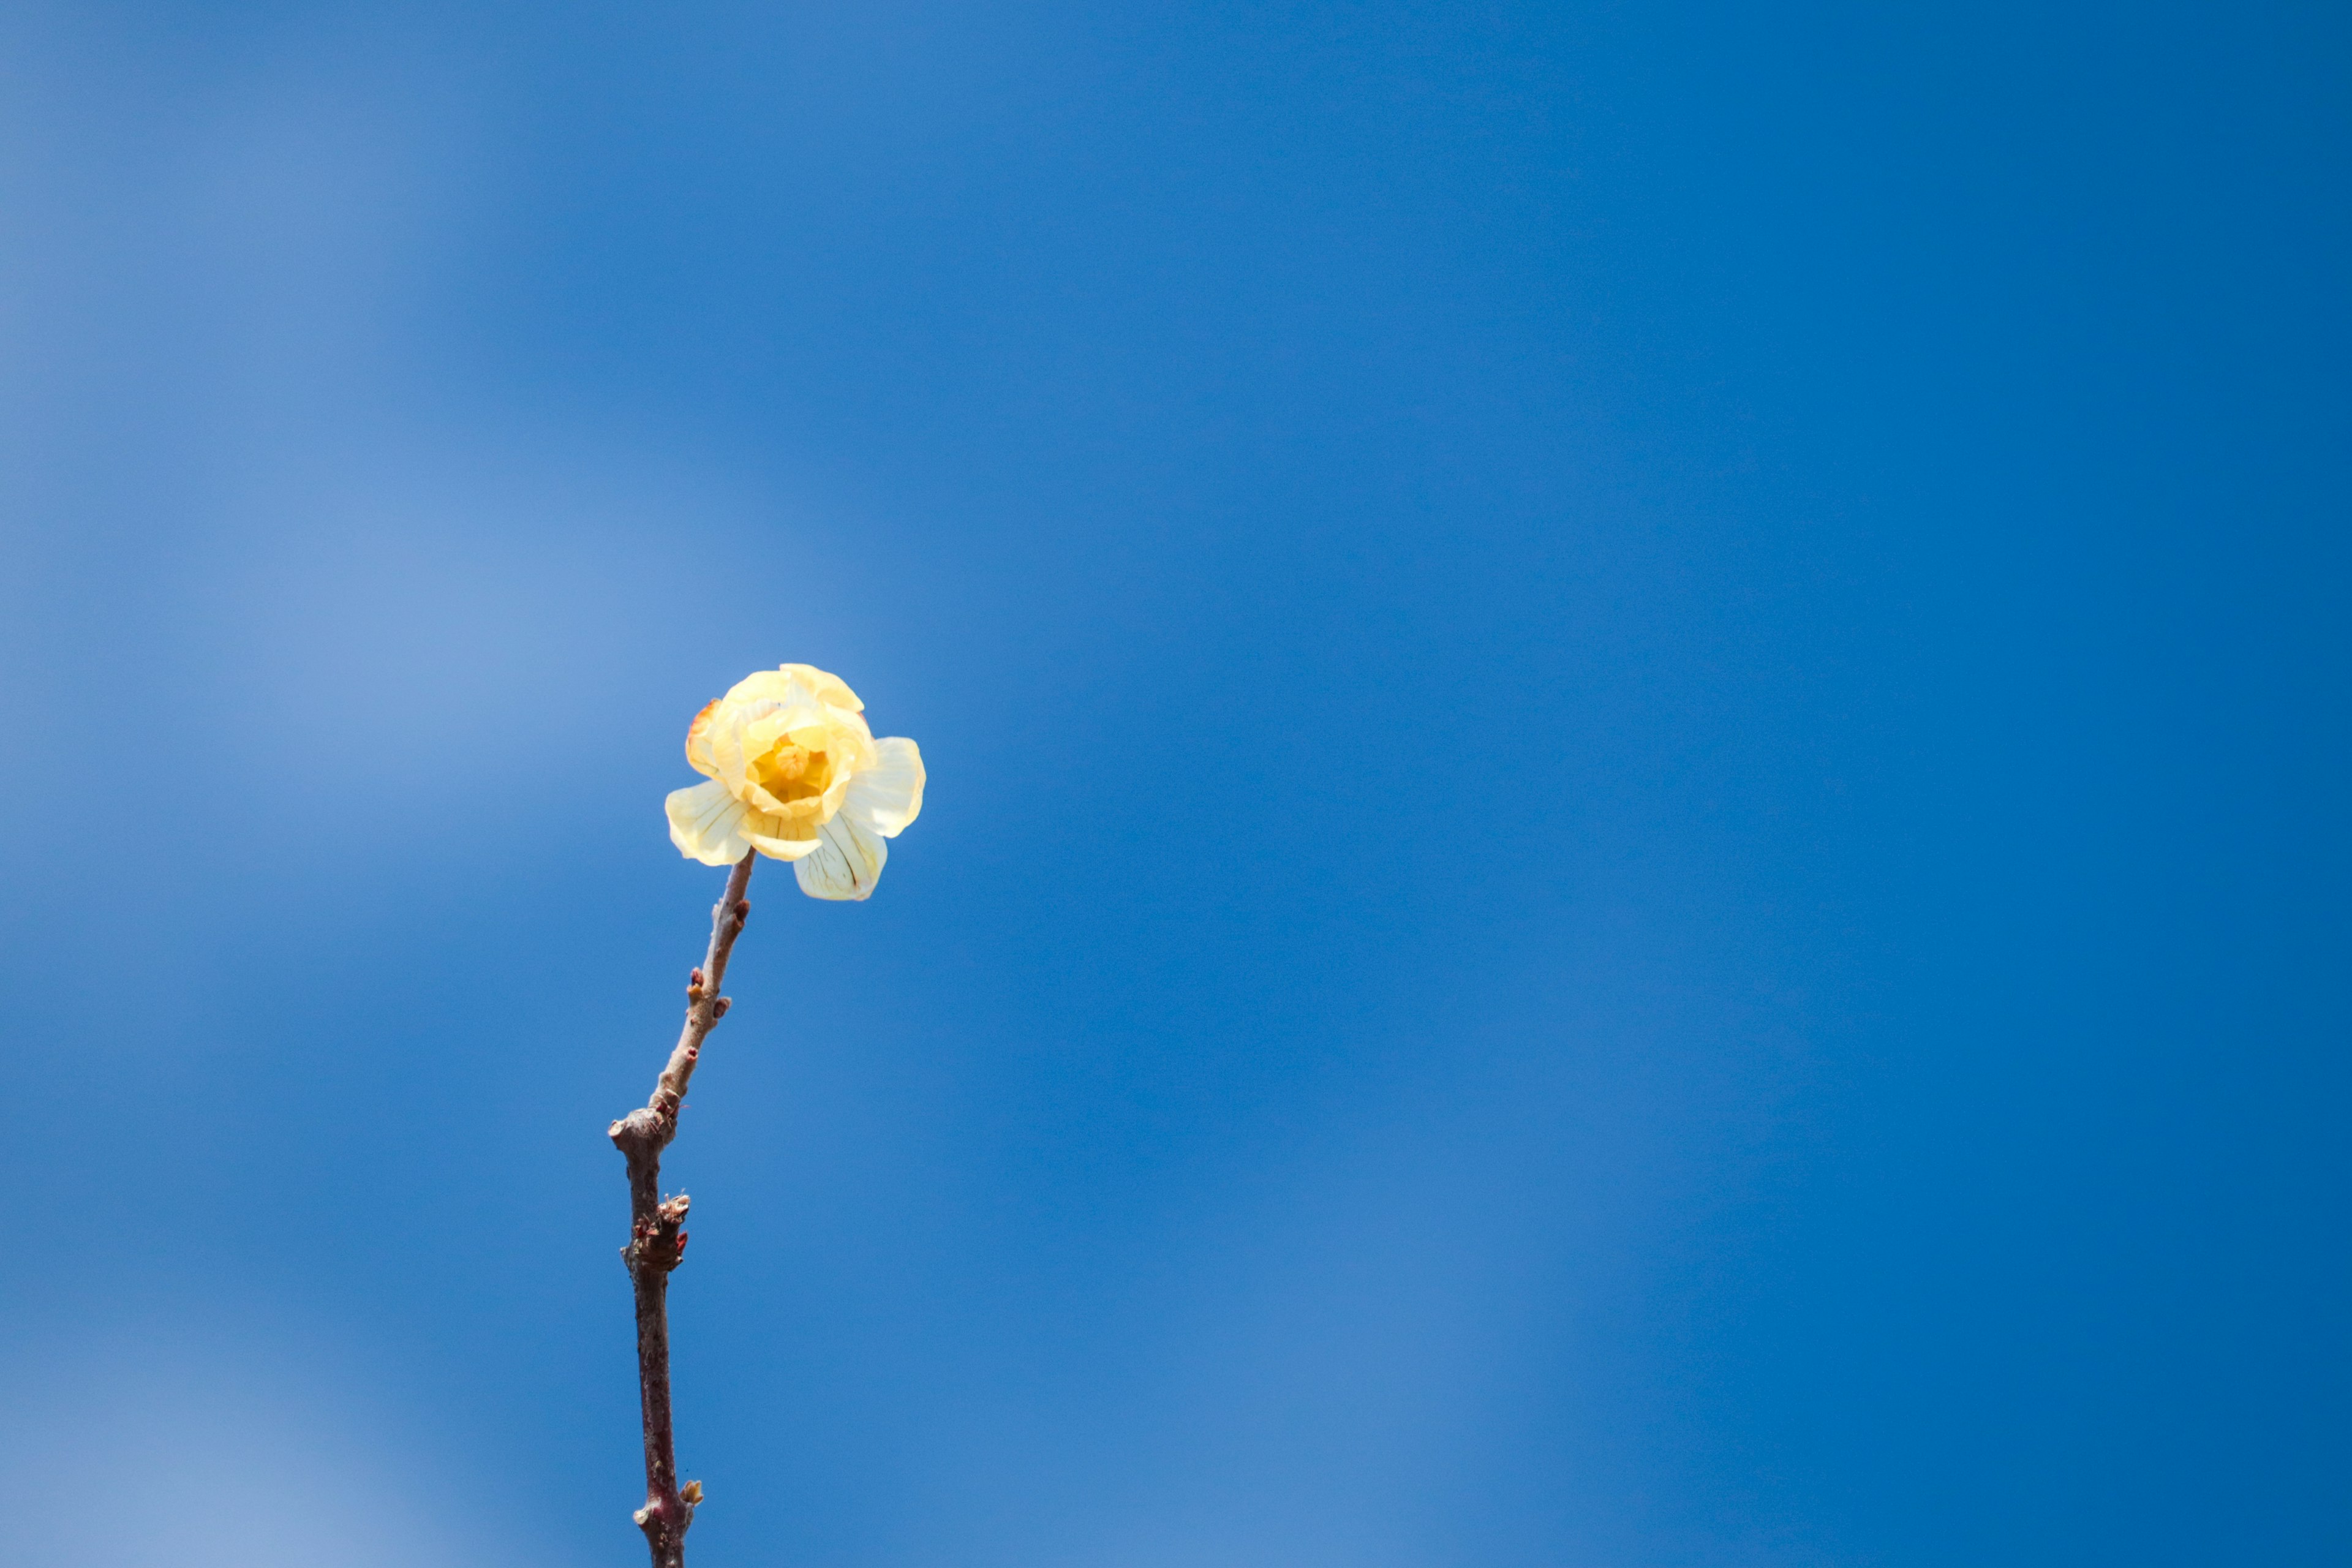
(656, 1240)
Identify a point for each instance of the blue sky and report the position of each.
(1637, 731)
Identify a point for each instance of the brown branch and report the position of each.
(656, 1240)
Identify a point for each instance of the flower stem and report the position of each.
(657, 1237)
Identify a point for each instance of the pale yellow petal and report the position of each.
(829, 688)
(760, 725)
(698, 743)
(705, 823)
(889, 795)
(835, 794)
(761, 686)
(848, 862)
(850, 735)
(722, 744)
(779, 838)
(795, 682)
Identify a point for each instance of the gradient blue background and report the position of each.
(1638, 722)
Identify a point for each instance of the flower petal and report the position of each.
(848, 862)
(828, 686)
(698, 743)
(889, 795)
(705, 823)
(795, 682)
(779, 837)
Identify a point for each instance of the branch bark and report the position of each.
(657, 1233)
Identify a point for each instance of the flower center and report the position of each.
(792, 772)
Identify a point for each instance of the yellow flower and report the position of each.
(795, 773)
